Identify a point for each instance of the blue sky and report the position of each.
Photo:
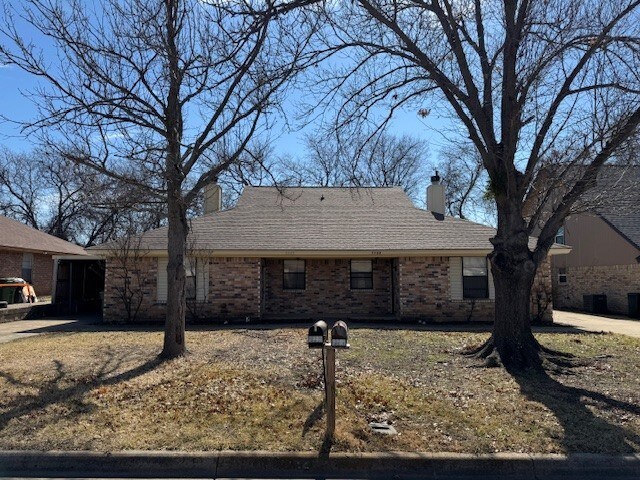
(16, 107)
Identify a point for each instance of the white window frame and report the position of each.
(562, 275)
(486, 275)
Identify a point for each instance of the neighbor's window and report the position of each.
(361, 275)
(562, 275)
(27, 266)
(560, 236)
(190, 285)
(294, 275)
(475, 277)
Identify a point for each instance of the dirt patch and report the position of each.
(262, 389)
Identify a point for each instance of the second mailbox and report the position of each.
(340, 335)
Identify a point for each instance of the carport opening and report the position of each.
(79, 286)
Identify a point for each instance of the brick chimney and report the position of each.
(435, 197)
(212, 198)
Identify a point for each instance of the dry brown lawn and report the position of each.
(247, 389)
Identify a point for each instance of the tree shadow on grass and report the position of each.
(584, 430)
(68, 387)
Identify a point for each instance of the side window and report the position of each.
(562, 275)
(475, 277)
(560, 236)
(361, 275)
(27, 267)
(190, 273)
(293, 277)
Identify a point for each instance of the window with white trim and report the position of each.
(191, 278)
(560, 236)
(562, 275)
(475, 277)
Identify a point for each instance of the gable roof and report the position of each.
(305, 220)
(18, 236)
(622, 208)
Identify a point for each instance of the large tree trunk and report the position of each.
(512, 337)
(512, 343)
(174, 343)
(174, 328)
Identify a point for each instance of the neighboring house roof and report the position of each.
(313, 219)
(621, 209)
(18, 236)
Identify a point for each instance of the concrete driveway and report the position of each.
(597, 323)
(28, 328)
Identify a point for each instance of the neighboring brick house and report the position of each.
(28, 253)
(605, 245)
(310, 253)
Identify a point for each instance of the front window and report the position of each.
(294, 275)
(190, 284)
(475, 277)
(560, 236)
(361, 275)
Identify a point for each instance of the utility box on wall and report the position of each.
(595, 303)
(634, 304)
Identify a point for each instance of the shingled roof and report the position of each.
(18, 236)
(622, 211)
(314, 220)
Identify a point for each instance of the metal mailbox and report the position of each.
(340, 335)
(317, 334)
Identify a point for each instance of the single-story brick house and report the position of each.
(310, 253)
(28, 253)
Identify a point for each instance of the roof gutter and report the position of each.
(329, 253)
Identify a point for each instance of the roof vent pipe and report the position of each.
(212, 198)
(435, 197)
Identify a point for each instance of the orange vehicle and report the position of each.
(17, 290)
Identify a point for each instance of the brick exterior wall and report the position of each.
(409, 288)
(41, 272)
(425, 293)
(10, 264)
(328, 291)
(424, 285)
(142, 274)
(233, 290)
(615, 281)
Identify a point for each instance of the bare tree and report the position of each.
(530, 82)
(125, 259)
(165, 95)
(359, 159)
(69, 201)
(20, 188)
(465, 181)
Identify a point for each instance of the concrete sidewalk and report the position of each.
(596, 323)
(396, 465)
